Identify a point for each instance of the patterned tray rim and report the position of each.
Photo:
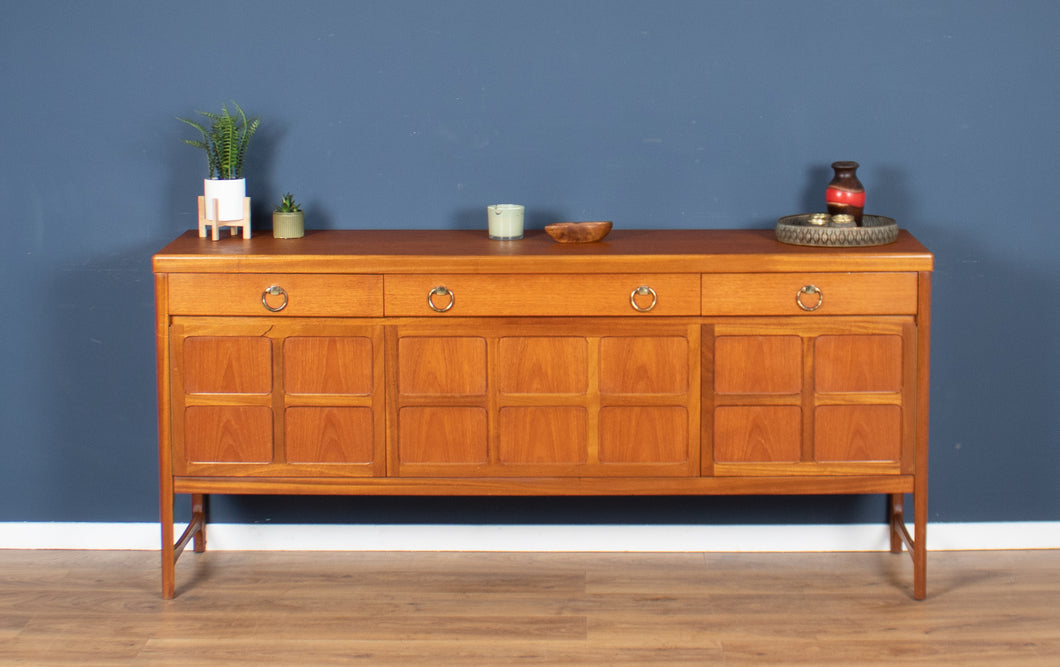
(875, 230)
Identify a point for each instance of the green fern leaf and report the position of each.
(226, 141)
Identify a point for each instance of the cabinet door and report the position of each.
(544, 397)
(277, 397)
(831, 396)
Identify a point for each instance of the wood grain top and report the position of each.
(471, 251)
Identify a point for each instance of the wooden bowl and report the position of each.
(578, 232)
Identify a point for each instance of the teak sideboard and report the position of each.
(655, 362)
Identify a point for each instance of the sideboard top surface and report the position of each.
(471, 251)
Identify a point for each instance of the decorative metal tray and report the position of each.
(874, 230)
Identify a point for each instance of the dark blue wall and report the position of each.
(417, 114)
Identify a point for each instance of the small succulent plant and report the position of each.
(288, 204)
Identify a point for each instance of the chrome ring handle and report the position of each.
(809, 289)
(275, 290)
(643, 290)
(441, 290)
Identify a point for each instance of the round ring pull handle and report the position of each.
(643, 290)
(275, 290)
(809, 289)
(441, 290)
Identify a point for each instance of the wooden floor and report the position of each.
(316, 608)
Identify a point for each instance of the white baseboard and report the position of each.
(450, 537)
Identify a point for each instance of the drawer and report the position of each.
(542, 295)
(331, 295)
(819, 293)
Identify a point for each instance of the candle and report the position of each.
(505, 222)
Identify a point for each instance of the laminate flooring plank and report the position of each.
(100, 650)
(12, 624)
(923, 651)
(454, 652)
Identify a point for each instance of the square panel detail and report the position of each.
(437, 365)
(758, 365)
(329, 435)
(544, 365)
(644, 365)
(442, 435)
(227, 365)
(643, 434)
(228, 434)
(765, 434)
(858, 433)
(327, 365)
(543, 435)
(858, 362)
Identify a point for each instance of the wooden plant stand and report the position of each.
(235, 225)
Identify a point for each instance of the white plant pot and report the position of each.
(224, 198)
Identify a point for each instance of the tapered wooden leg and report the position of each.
(169, 556)
(919, 548)
(917, 542)
(198, 511)
(896, 514)
(195, 532)
(920, 484)
(171, 549)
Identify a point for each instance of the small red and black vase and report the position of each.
(845, 194)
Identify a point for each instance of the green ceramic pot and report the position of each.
(288, 225)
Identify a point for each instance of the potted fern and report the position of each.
(288, 220)
(225, 142)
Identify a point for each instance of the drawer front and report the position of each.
(809, 294)
(288, 295)
(458, 295)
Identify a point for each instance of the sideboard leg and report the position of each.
(194, 533)
(172, 548)
(169, 556)
(198, 514)
(920, 484)
(916, 543)
(896, 514)
(919, 546)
